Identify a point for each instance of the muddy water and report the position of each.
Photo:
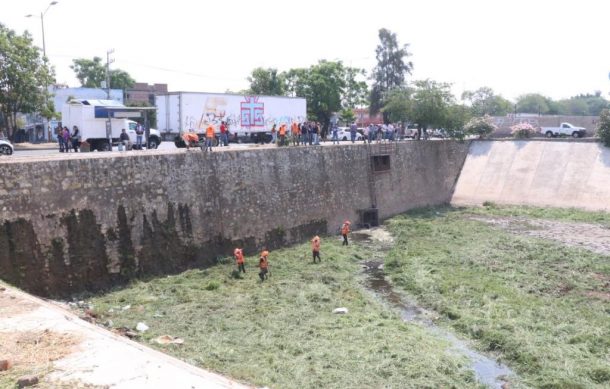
(487, 370)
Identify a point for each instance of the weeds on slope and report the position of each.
(282, 333)
(538, 304)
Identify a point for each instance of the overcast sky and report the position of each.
(558, 48)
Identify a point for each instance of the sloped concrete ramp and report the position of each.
(540, 173)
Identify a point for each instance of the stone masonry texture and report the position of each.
(88, 222)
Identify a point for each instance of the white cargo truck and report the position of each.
(249, 118)
(92, 117)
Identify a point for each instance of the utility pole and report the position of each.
(108, 122)
(108, 62)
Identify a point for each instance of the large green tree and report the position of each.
(267, 82)
(24, 76)
(429, 105)
(391, 69)
(91, 73)
(536, 103)
(328, 86)
(484, 101)
(396, 107)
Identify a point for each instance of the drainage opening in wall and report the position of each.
(368, 217)
(381, 163)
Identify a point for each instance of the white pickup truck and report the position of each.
(564, 129)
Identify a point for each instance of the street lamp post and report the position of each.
(44, 48)
(44, 51)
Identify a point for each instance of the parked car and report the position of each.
(6, 148)
(344, 134)
(564, 129)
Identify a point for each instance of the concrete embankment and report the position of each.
(85, 222)
(538, 173)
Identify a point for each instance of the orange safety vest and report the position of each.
(265, 254)
(295, 129)
(283, 130)
(263, 263)
(209, 132)
(315, 243)
(345, 229)
(239, 256)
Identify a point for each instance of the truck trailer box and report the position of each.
(247, 116)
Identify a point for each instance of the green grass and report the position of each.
(281, 333)
(522, 297)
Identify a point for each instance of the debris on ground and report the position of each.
(142, 327)
(340, 311)
(27, 380)
(126, 307)
(167, 339)
(5, 364)
(124, 331)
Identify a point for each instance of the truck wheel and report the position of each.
(5, 150)
(575, 134)
(103, 146)
(153, 143)
(549, 134)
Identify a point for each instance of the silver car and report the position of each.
(6, 148)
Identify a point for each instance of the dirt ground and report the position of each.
(593, 237)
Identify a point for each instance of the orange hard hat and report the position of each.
(346, 222)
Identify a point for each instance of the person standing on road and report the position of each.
(335, 137)
(352, 132)
(282, 134)
(59, 132)
(263, 264)
(273, 134)
(66, 135)
(224, 134)
(345, 231)
(315, 248)
(209, 137)
(239, 259)
(296, 133)
(123, 140)
(75, 138)
(139, 135)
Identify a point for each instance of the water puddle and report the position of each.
(488, 371)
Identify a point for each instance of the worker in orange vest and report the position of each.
(209, 137)
(263, 264)
(282, 135)
(239, 259)
(315, 248)
(296, 133)
(345, 231)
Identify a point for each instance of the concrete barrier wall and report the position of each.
(558, 174)
(85, 222)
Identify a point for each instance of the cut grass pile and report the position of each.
(537, 303)
(282, 333)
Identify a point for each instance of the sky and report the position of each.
(557, 48)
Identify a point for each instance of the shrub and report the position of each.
(603, 128)
(212, 285)
(480, 126)
(522, 130)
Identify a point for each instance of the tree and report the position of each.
(391, 69)
(603, 128)
(396, 107)
(536, 103)
(484, 101)
(91, 73)
(429, 105)
(589, 104)
(347, 116)
(456, 117)
(480, 126)
(24, 75)
(328, 87)
(267, 82)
